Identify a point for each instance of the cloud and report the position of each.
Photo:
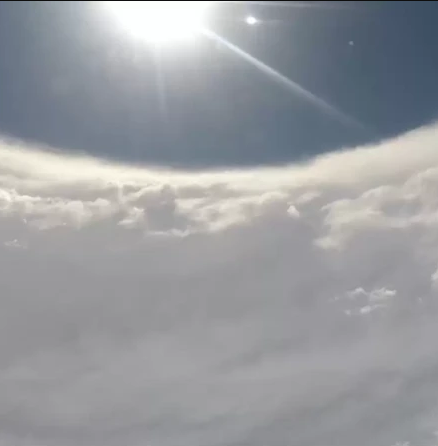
(360, 302)
(286, 306)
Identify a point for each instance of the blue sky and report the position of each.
(70, 80)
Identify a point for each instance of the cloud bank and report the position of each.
(288, 306)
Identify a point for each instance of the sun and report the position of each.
(160, 22)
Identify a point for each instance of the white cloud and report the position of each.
(360, 302)
(142, 306)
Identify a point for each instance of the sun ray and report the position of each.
(286, 82)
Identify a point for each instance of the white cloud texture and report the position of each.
(280, 307)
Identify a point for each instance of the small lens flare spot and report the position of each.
(251, 20)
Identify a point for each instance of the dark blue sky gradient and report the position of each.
(72, 80)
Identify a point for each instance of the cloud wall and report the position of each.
(286, 306)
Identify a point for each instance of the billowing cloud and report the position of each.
(286, 306)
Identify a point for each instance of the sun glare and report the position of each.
(160, 21)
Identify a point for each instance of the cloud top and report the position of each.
(292, 305)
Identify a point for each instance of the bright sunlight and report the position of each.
(160, 22)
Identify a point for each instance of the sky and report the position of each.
(165, 301)
(71, 79)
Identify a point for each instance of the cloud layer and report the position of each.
(289, 306)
